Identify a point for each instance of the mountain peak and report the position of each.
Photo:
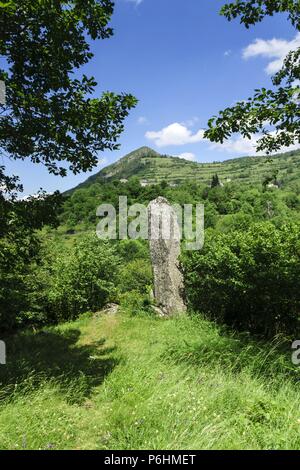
(142, 152)
(144, 148)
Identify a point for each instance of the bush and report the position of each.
(137, 276)
(248, 279)
(18, 255)
(72, 281)
(133, 249)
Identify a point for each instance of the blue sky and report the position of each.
(184, 63)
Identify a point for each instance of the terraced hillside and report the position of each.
(151, 167)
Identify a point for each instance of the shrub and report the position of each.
(132, 249)
(18, 254)
(136, 275)
(72, 281)
(248, 279)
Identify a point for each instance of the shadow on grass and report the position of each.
(53, 357)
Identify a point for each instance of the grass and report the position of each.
(121, 382)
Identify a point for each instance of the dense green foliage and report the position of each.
(215, 181)
(73, 280)
(136, 275)
(248, 279)
(254, 11)
(43, 283)
(273, 114)
(20, 250)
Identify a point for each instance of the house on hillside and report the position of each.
(273, 186)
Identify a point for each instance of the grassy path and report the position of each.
(117, 382)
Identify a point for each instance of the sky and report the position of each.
(184, 62)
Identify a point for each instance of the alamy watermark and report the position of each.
(2, 93)
(157, 221)
(2, 353)
(296, 352)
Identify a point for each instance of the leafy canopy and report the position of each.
(273, 113)
(51, 114)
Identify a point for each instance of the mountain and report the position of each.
(151, 168)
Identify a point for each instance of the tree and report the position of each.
(20, 249)
(215, 181)
(50, 115)
(274, 113)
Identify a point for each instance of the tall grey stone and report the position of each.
(164, 241)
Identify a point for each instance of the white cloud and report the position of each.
(246, 147)
(136, 2)
(142, 120)
(275, 49)
(238, 145)
(191, 157)
(175, 134)
(228, 53)
(179, 134)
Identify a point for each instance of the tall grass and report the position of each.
(121, 382)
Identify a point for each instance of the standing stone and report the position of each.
(164, 240)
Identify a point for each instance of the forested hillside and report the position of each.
(151, 167)
(248, 189)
